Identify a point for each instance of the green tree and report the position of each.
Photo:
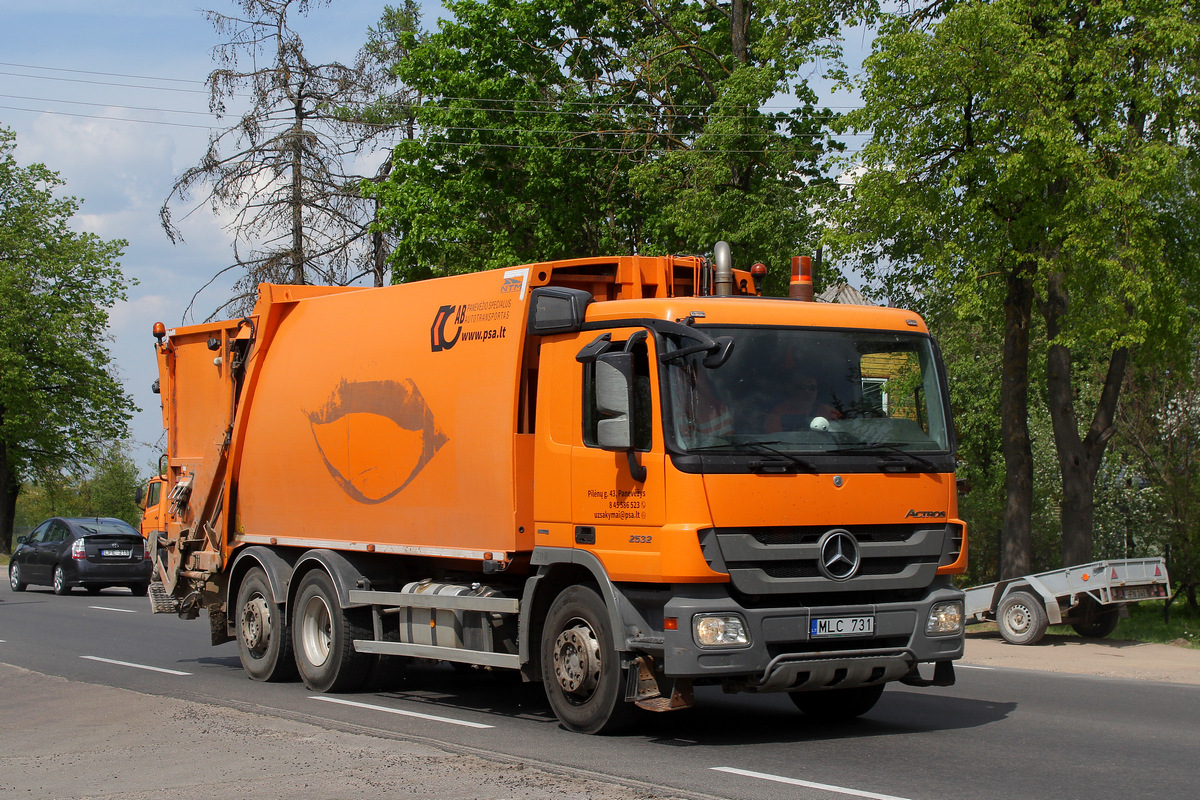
(106, 488)
(59, 400)
(1032, 162)
(1161, 445)
(553, 129)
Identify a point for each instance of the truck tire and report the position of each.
(581, 668)
(1094, 621)
(263, 638)
(837, 705)
(1021, 618)
(323, 635)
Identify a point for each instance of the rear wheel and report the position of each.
(263, 638)
(1021, 618)
(836, 705)
(581, 667)
(1094, 620)
(323, 635)
(139, 589)
(14, 578)
(60, 580)
(93, 589)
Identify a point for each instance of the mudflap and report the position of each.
(218, 625)
(646, 692)
(943, 675)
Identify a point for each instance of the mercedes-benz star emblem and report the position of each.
(839, 555)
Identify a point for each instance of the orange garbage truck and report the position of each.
(622, 477)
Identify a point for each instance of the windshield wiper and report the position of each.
(777, 456)
(890, 450)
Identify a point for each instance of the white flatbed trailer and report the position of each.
(1088, 597)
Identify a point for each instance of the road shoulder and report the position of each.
(1109, 658)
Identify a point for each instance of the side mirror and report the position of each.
(557, 309)
(22, 540)
(614, 401)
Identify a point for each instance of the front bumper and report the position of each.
(782, 656)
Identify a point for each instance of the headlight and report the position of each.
(720, 630)
(945, 618)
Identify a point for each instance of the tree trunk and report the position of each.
(1078, 458)
(10, 487)
(297, 201)
(739, 25)
(1016, 546)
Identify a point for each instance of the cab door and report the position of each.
(617, 498)
(33, 560)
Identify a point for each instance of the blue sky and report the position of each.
(71, 57)
(72, 75)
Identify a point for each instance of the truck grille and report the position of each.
(786, 560)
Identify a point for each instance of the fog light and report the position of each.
(945, 618)
(720, 630)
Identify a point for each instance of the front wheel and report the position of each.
(263, 638)
(323, 635)
(60, 581)
(581, 667)
(1021, 618)
(837, 705)
(14, 578)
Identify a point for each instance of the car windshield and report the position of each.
(811, 391)
(92, 527)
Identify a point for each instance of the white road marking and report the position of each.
(807, 784)
(972, 666)
(402, 713)
(135, 666)
(122, 610)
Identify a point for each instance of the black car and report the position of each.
(92, 552)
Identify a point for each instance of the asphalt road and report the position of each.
(1001, 732)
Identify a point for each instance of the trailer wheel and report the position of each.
(1095, 621)
(581, 667)
(323, 635)
(263, 638)
(1021, 618)
(837, 705)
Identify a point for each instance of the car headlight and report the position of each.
(945, 617)
(720, 630)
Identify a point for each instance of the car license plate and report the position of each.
(117, 553)
(842, 626)
(1137, 594)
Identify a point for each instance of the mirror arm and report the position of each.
(636, 470)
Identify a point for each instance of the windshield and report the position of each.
(809, 390)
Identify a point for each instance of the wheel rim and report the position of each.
(255, 625)
(14, 576)
(59, 579)
(1017, 618)
(577, 663)
(316, 631)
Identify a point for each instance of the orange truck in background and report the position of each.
(623, 477)
(153, 502)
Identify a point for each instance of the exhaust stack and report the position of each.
(722, 270)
